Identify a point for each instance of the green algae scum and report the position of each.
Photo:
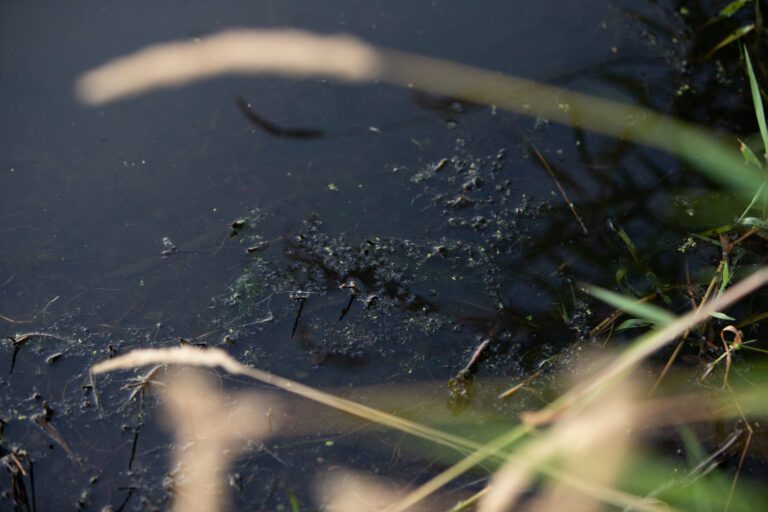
(383, 256)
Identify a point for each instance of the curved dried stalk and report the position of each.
(302, 54)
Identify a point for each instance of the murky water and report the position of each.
(440, 213)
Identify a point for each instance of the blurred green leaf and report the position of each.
(633, 323)
(732, 8)
(645, 311)
(754, 221)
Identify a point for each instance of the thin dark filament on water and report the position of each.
(32, 482)
(347, 308)
(127, 498)
(560, 188)
(133, 446)
(273, 129)
(298, 316)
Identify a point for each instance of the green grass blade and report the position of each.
(755, 222)
(730, 38)
(755, 198)
(749, 155)
(726, 278)
(646, 345)
(645, 311)
(732, 8)
(757, 100)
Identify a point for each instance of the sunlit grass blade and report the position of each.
(730, 38)
(218, 358)
(644, 310)
(732, 8)
(593, 442)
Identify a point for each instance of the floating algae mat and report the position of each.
(355, 297)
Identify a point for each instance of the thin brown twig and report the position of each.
(564, 195)
(667, 366)
(744, 451)
(726, 251)
(745, 236)
(689, 284)
(14, 321)
(514, 389)
(679, 346)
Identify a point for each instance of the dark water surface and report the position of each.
(482, 247)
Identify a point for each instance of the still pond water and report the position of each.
(415, 227)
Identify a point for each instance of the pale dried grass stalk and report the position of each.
(296, 53)
(348, 491)
(210, 430)
(593, 444)
(288, 52)
(183, 354)
(214, 357)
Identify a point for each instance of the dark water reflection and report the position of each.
(88, 195)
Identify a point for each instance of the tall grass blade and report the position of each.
(732, 8)
(757, 100)
(755, 198)
(644, 310)
(730, 38)
(212, 357)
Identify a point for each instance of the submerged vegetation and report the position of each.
(669, 420)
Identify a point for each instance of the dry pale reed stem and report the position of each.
(212, 357)
(210, 431)
(347, 491)
(302, 54)
(594, 443)
(287, 52)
